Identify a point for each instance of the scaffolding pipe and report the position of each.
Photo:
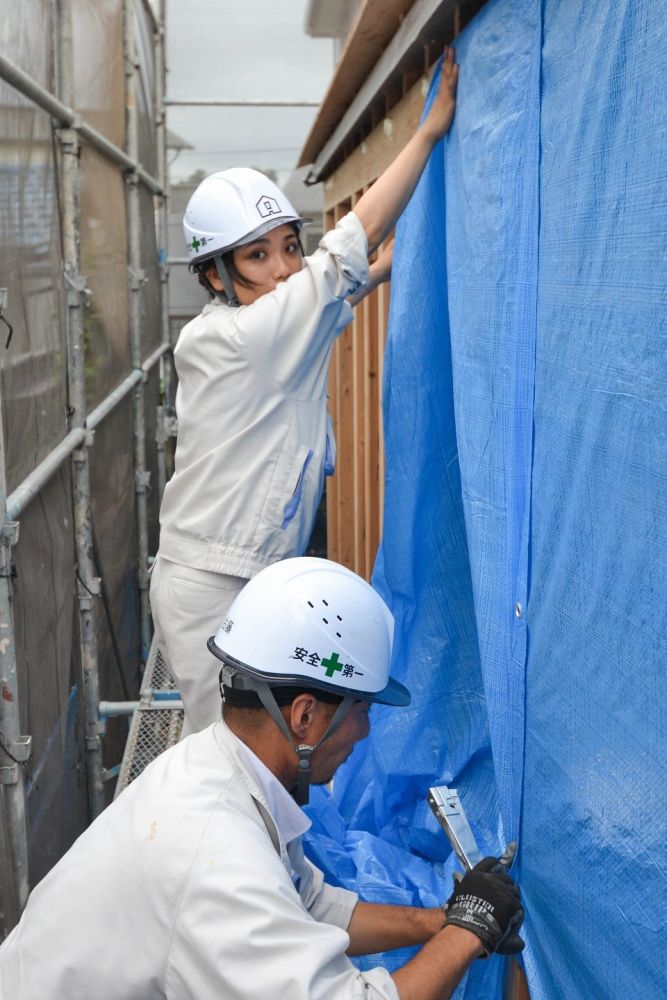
(26, 491)
(151, 14)
(97, 415)
(14, 748)
(112, 709)
(162, 234)
(241, 102)
(68, 118)
(136, 280)
(87, 583)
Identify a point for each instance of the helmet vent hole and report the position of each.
(310, 604)
(325, 602)
(325, 621)
(339, 618)
(339, 635)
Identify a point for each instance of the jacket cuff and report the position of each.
(349, 245)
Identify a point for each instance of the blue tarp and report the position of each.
(525, 530)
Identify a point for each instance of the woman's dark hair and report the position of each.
(200, 267)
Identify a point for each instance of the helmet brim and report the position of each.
(394, 693)
(267, 227)
(256, 234)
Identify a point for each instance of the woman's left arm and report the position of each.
(378, 272)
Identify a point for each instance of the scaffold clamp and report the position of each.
(9, 533)
(18, 750)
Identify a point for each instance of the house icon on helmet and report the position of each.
(267, 206)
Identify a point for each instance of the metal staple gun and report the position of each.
(446, 805)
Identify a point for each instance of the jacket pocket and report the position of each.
(292, 505)
(330, 453)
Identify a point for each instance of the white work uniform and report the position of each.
(253, 446)
(185, 889)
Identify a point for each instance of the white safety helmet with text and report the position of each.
(309, 623)
(229, 209)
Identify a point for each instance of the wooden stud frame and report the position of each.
(355, 493)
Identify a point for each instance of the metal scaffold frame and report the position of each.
(72, 133)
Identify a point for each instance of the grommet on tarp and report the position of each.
(518, 610)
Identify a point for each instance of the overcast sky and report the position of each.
(242, 49)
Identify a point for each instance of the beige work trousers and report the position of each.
(188, 606)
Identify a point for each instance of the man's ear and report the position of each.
(302, 715)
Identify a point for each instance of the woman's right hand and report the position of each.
(380, 206)
(440, 116)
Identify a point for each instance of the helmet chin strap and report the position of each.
(304, 751)
(226, 280)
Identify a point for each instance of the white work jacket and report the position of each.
(253, 440)
(183, 889)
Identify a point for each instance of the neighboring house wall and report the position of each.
(186, 296)
(325, 19)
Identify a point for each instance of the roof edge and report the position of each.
(374, 26)
(352, 92)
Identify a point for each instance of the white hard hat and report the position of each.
(233, 207)
(314, 623)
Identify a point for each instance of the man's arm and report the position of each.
(377, 927)
(483, 914)
(436, 971)
(379, 208)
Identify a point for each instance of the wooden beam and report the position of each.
(369, 36)
(376, 152)
(381, 335)
(427, 20)
(516, 986)
(372, 421)
(333, 545)
(356, 522)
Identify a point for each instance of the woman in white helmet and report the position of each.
(254, 439)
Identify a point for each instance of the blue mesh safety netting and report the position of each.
(525, 529)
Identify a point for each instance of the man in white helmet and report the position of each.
(193, 885)
(254, 438)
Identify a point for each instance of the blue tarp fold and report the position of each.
(526, 503)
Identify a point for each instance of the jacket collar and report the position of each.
(278, 808)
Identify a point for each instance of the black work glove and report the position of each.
(487, 902)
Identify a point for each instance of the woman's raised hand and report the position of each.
(440, 116)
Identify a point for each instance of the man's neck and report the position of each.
(266, 742)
